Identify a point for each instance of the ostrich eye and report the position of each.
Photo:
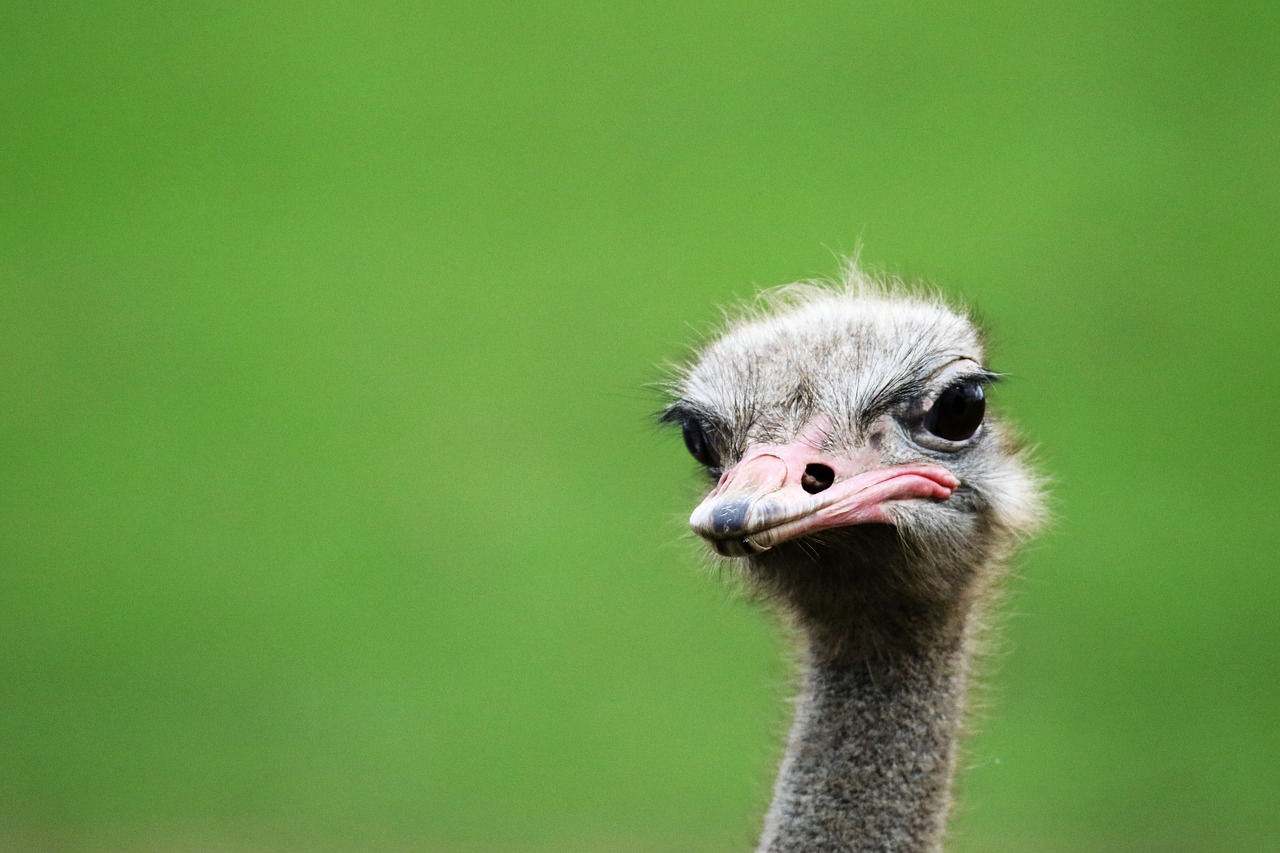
(957, 413)
(695, 438)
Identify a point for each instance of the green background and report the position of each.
(331, 516)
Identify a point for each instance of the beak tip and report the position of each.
(722, 518)
(730, 516)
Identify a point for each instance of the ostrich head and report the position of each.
(858, 477)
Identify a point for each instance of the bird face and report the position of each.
(838, 410)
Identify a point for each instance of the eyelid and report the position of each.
(960, 367)
(673, 414)
(681, 411)
(985, 378)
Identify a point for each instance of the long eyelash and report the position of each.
(890, 398)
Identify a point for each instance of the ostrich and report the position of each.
(858, 483)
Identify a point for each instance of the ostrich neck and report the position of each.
(871, 752)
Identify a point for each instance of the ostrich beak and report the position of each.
(782, 492)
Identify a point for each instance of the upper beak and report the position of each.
(766, 498)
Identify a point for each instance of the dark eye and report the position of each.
(957, 413)
(695, 438)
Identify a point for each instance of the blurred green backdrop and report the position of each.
(330, 516)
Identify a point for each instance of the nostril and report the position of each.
(817, 478)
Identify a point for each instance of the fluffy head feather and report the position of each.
(849, 372)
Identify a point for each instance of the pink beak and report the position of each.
(767, 498)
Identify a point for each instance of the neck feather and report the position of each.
(871, 754)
